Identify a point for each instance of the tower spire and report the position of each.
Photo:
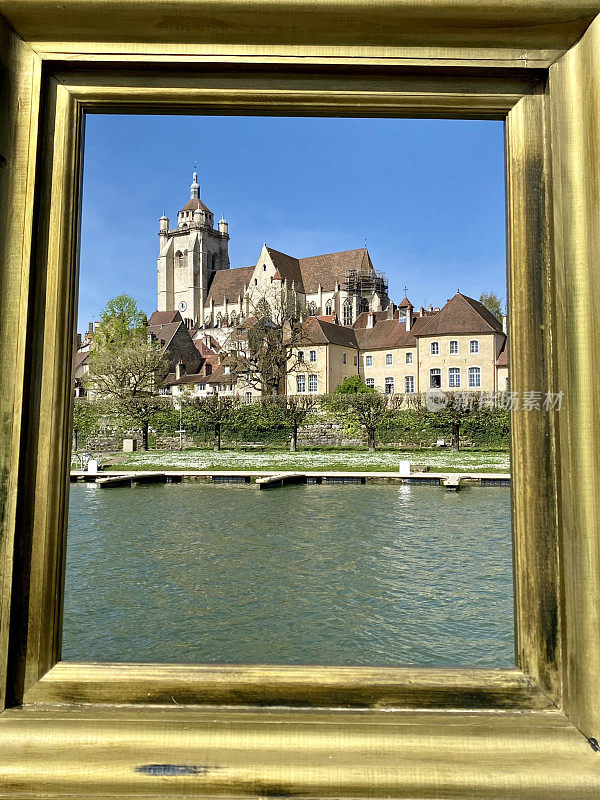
(194, 188)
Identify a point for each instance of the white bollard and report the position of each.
(92, 465)
(404, 469)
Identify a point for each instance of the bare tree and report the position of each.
(294, 410)
(369, 409)
(263, 350)
(217, 411)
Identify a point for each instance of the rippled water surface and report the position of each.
(378, 574)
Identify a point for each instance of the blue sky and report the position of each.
(426, 195)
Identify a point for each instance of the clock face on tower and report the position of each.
(182, 306)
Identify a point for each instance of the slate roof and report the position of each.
(461, 314)
(229, 283)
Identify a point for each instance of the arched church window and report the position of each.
(233, 319)
(179, 258)
(219, 320)
(329, 307)
(347, 311)
(364, 305)
(312, 309)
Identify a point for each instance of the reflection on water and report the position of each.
(384, 575)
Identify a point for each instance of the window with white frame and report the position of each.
(313, 383)
(368, 361)
(454, 377)
(300, 383)
(474, 377)
(435, 378)
(409, 384)
(435, 348)
(312, 356)
(300, 356)
(453, 347)
(408, 358)
(370, 382)
(389, 359)
(473, 346)
(200, 387)
(248, 397)
(389, 386)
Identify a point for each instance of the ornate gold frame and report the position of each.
(131, 730)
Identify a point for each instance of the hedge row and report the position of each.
(484, 428)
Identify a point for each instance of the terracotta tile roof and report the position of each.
(229, 283)
(363, 318)
(502, 360)
(316, 331)
(333, 318)
(193, 204)
(204, 349)
(461, 314)
(389, 333)
(164, 333)
(330, 268)
(81, 358)
(219, 376)
(164, 317)
(288, 267)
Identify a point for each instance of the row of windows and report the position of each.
(313, 384)
(435, 378)
(453, 347)
(312, 356)
(389, 359)
(409, 384)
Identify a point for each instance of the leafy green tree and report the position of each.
(86, 415)
(217, 411)
(352, 385)
(369, 409)
(125, 366)
(493, 303)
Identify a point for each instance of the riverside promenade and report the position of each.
(273, 478)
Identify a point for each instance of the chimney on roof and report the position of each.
(370, 320)
(390, 311)
(430, 309)
(436, 309)
(504, 323)
(421, 312)
(90, 327)
(179, 369)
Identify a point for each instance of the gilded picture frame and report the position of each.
(127, 730)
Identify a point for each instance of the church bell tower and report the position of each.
(188, 257)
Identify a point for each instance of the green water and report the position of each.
(385, 575)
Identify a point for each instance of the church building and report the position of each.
(195, 277)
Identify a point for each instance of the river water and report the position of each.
(383, 575)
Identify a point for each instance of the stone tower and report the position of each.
(188, 256)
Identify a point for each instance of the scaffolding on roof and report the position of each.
(358, 282)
